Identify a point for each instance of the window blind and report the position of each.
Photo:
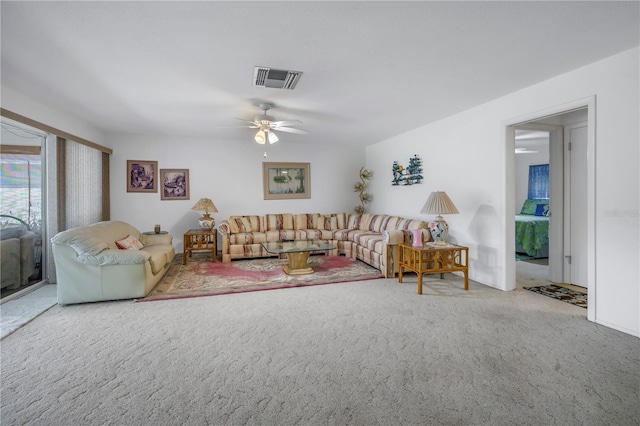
(538, 182)
(83, 185)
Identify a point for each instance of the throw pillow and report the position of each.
(129, 243)
(240, 224)
(542, 210)
(529, 207)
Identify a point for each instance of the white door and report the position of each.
(575, 205)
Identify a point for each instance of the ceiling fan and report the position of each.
(266, 126)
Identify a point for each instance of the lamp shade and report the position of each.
(260, 137)
(205, 205)
(439, 203)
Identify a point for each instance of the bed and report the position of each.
(532, 229)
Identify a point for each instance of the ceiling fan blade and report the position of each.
(286, 123)
(248, 121)
(239, 127)
(291, 130)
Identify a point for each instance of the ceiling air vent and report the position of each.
(276, 79)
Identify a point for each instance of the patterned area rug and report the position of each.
(201, 277)
(561, 293)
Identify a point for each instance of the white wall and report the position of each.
(464, 155)
(51, 116)
(230, 173)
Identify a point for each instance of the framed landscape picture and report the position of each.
(284, 181)
(175, 184)
(142, 176)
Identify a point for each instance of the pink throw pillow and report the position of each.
(129, 243)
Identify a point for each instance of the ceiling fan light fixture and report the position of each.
(273, 138)
(260, 137)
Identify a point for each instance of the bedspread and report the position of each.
(532, 235)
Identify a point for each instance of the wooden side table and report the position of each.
(434, 259)
(199, 240)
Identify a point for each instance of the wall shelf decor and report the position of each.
(409, 175)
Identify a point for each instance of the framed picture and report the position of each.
(284, 181)
(175, 184)
(142, 176)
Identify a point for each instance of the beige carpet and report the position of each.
(532, 273)
(362, 353)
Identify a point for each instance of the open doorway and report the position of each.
(532, 186)
(571, 191)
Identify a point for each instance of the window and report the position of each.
(22, 208)
(538, 182)
(71, 173)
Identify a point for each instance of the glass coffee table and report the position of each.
(297, 253)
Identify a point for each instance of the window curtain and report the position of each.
(538, 182)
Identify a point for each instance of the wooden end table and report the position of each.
(199, 240)
(434, 258)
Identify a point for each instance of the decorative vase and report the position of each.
(417, 237)
(206, 222)
(439, 230)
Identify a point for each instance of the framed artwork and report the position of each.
(142, 176)
(283, 181)
(175, 184)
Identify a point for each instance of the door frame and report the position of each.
(509, 191)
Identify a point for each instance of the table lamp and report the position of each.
(439, 203)
(205, 205)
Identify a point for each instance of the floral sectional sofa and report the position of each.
(371, 238)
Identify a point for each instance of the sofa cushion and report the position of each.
(327, 223)
(315, 234)
(353, 221)
(392, 222)
(277, 222)
(374, 222)
(409, 224)
(111, 257)
(129, 243)
(95, 238)
(158, 258)
(306, 221)
(368, 240)
(350, 234)
(342, 220)
(240, 224)
(282, 235)
(248, 238)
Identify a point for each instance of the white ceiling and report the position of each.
(371, 70)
